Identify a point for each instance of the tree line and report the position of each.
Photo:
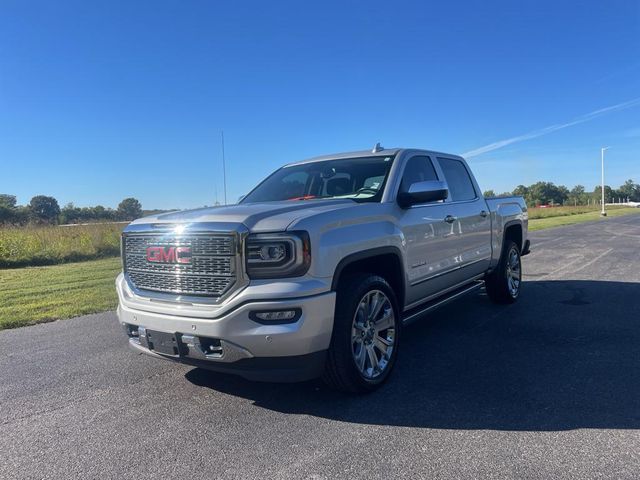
(43, 209)
(547, 193)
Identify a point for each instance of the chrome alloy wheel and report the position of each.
(373, 334)
(514, 272)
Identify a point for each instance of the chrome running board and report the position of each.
(413, 314)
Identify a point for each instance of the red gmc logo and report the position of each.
(169, 254)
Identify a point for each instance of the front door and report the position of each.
(430, 247)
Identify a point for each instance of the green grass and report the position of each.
(537, 212)
(34, 245)
(40, 294)
(540, 223)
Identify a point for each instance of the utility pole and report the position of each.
(224, 170)
(603, 212)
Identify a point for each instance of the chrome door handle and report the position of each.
(450, 219)
(484, 214)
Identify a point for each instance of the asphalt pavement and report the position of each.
(546, 388)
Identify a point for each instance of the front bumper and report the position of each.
(234, 343)
(296, 368)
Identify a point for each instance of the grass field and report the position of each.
(537, 212)
(40, 294)
(29, 246)
(539, 222)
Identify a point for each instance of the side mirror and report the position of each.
(423, 192)
(241, 197)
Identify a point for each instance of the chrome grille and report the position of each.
(200, 244)
(211, 271)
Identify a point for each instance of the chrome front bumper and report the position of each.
(191, 346)
(233, 338)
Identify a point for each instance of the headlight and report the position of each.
(277, 255)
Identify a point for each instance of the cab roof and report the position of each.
(385, 152)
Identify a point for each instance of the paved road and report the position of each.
(546, 388)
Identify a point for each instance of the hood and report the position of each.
(257, 217)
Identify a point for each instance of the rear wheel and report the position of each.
(503, 284)
(364, 343)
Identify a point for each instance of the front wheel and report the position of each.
(503, 284)
(366, 331)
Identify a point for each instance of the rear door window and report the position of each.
(458, 178)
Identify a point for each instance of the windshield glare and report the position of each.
(360, 179)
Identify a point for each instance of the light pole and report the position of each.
(603, 212)
(224, 170)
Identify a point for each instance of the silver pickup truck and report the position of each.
(317, 270)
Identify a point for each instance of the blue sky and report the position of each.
(104, 100)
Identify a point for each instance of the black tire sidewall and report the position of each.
(511, 247)
(496, 283)
(352, 291)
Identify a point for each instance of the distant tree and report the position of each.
(577, 190)
(578, 196)
(489, 193)
(99, 212)
(543, 193)
(521, 191)
(629, 190)
(7, 207)
(129, 209)
(597, 194)
(45, 209)
(73, 214)
(10, 213)
(6, 214)
(21, 215)
(562, 194)
(68, 213)
(7, 201)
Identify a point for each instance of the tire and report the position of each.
(504, 283)
(359, 332)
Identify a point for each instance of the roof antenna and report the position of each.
(377, 148)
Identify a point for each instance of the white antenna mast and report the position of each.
(224, 170)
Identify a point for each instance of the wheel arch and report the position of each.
(513, 230)
(384, 261)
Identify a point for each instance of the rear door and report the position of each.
(468, 220)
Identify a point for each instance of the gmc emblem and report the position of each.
(169, 254)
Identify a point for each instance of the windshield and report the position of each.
(361, 179)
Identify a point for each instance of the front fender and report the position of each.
(340, 243)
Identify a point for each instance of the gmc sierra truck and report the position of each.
(317, 270)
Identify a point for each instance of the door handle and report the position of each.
(484, 214)
(450, 219)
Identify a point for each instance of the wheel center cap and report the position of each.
(369, 334)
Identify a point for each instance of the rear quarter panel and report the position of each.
(506, 211)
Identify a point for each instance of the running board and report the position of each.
(413, 314)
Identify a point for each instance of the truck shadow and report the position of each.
(566, 356)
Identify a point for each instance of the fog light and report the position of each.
(131, 330)
(276, 316)
(282, 315)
